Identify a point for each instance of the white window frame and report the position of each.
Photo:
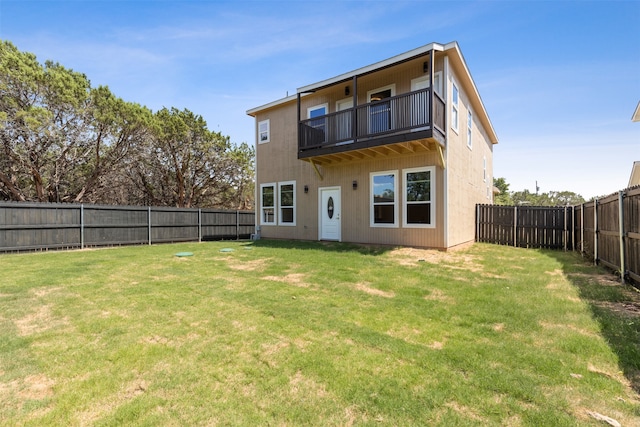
(437, 82)
(372, 205)
(455, 106)
(469, 129)
(280, 207)
(267, 131)
(263, 220)
(484, 169)
(432, 193)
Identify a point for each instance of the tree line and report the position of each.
(62, 140)
(525, 197)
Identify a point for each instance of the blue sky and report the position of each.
(559, 79)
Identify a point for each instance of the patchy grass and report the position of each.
(282, 333)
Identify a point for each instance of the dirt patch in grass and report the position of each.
(299, 385)
(39, 320)
(32, 387)
(415, 256)
(244, 265)
(295, 279)
(364, 287)
(440, 296)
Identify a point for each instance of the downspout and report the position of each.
(445, 183)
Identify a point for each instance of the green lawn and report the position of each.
(282, 333)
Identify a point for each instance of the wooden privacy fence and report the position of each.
(525, 226)
(32, 226)
(606, 230)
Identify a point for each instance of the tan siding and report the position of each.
(277, 161)
(465, 172)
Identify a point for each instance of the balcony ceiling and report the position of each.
(405, 148)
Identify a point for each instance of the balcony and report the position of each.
(405, 123)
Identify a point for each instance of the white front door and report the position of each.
(330, 228)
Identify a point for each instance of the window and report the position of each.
(267, 204)
(287, 199)
(469, 126)
(379, 109)
(454, 106)
(263, 132)
(484, 168)
(318, 122)
(384, 207)
(419, 205)
(423, 82)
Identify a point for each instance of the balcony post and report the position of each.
(354, 110)
(431, 89)
(298, 125)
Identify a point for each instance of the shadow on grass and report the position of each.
(323, 246)
(616, 307)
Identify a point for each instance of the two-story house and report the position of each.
(398, 152)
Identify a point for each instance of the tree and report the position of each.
(184, 164)
(63, 141)
(502, 198)
(525, 197)
(44, 126)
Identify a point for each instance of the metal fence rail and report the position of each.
(34, 226)
(606, 230)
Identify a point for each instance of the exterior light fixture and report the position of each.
(346, 90)
(306, 189)
(355, 184)
(425, 66)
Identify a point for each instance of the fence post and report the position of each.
(565, 236)
(621, 219)
(595, 231)
(515, 226)
(149, 223)
(81, 226)
(582, 229)
(199, 225)
(573, 228)
(237, 225)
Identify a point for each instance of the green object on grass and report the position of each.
(226, 250)
(181, 254)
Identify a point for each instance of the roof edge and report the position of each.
(373, 67)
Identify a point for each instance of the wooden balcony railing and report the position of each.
(376, 120)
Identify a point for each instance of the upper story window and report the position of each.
(484, 168)
(287, 199)
(419, 197)
(455, 106)
(384, 201)
(318, 122)
(423, 82)
(469, 127)
(268, 204)
(264, 133)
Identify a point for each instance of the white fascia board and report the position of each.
(253, 111)
(373, 67)
(490, 130)
(636, 114)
